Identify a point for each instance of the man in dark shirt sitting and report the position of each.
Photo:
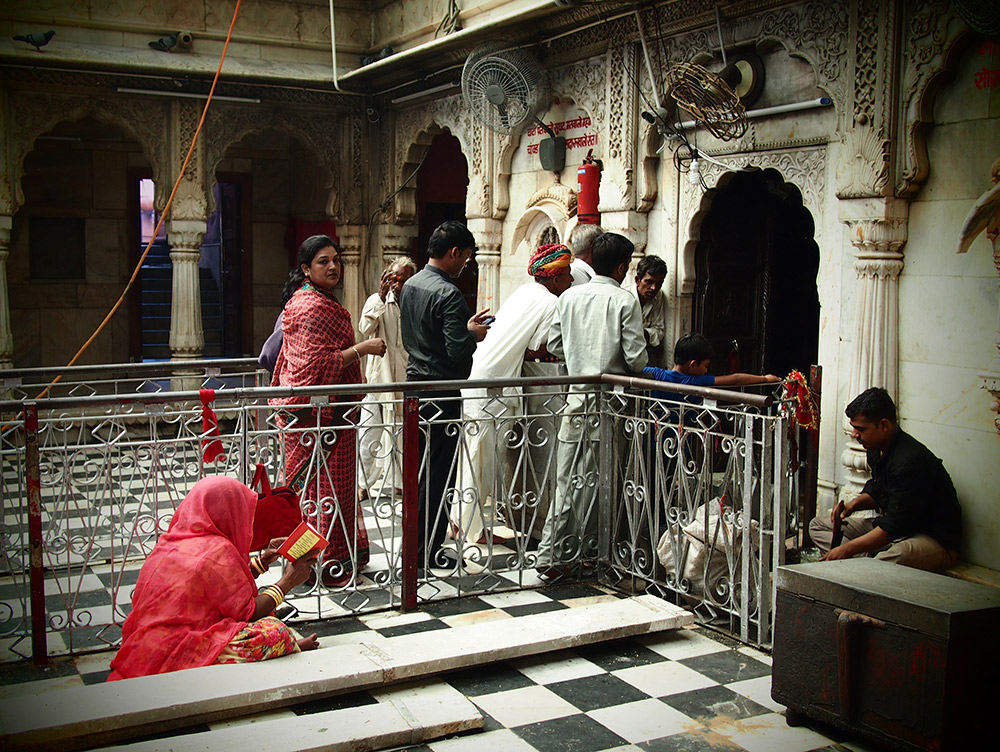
(439, 337)
(920, 521)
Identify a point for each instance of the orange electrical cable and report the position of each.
(163, 216)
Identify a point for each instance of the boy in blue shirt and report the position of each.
(692, 358)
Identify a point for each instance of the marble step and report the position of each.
(83, 717)
(404, 715)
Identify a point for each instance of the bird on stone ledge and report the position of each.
(37, 39)
(165, 44)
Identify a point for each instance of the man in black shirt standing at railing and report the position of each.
(920, 521)
(439, 336)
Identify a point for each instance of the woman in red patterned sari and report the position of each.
(318, 348)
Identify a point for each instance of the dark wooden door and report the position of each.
(755, 276)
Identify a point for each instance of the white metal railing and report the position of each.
(110, 470)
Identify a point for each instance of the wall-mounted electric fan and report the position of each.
(507, 90)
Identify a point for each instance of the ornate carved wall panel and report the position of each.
(336, 142)
(32, 115)
(619, 133)
(805, 168)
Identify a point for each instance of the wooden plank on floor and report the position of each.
(405, 715)
(83, 717)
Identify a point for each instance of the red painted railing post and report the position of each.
(39, 648)
(411, 494)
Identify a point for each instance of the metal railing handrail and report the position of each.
(164, 367)
(409, 387)
(721, 394)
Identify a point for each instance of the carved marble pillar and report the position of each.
(393, 241)
(352, 240)
(633, 225)
(489, 237)
(187, 337)
(878, 231)
(6, 333)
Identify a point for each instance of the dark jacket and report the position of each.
(913, 492)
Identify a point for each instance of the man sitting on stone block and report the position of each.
(919, 521)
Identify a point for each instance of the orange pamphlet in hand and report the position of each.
(301, 541)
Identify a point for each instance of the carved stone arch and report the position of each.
(501, 191)
(802, 170)
(416, 128)
(228, 125)
(758, 281)
(930, 60)
(413, 157)
(551, 207)
(33, 115)
(650, 141)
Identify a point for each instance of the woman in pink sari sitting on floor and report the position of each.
(195, 602)
(318, 348)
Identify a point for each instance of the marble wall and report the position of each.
(948, 307)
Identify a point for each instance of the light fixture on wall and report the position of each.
(185, 95)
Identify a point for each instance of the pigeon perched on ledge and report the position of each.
(37, 39)
(165, 44)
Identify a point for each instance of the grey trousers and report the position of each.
(919, 551)
(570, 531)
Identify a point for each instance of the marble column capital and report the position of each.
(186, 234)
(488, 233)
(878, 226)
(632, 224)
(395, 240)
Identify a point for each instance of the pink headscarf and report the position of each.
(195, 591)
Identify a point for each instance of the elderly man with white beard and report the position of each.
(519, 333)
(382, 412)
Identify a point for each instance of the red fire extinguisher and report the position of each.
(588, 177)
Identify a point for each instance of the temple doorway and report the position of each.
(755, 276)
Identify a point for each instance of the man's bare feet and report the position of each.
(308, 643)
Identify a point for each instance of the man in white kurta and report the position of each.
(521, 330)
(597, 329)
(650, 274)
(381, 412)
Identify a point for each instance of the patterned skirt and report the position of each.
(259, 641)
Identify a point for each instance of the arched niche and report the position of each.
(33, 116)
(552, 208)
(228, 127)
(756, 262)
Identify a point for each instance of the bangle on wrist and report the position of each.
(257, 565)
(356, 351)
(275, 594)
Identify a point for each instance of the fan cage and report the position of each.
(708, 99)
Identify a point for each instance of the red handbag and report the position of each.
(277, 512)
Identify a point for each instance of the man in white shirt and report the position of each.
(648, 289)
(581, 242)
(597, 329)
(521, 330)
(381, 412)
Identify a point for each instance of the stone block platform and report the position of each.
(84, 717)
